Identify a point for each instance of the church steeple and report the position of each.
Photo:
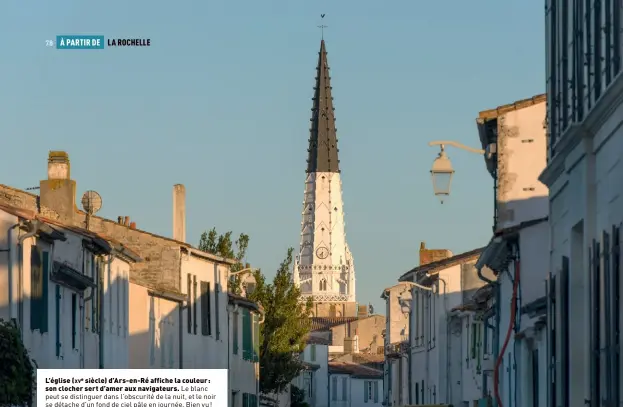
(323, 148)
(324, 269)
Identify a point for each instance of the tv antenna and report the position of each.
(91, 203)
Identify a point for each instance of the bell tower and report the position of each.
(324, 268)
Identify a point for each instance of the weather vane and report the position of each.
(322, 26)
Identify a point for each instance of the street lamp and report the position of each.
(442, 170)
(247, 270)
(405, 299)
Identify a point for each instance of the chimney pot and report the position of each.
(126, 221)
(133, 225)
(423, 246)
(120, 220)
(179, 212)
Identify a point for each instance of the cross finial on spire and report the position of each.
(322, 26)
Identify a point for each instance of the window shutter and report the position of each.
(344, 388)
(312, 352)
(473, 348)
(334, 388)
(205, 308)
(245, 400)
(365, 391)
(235, 332)
(57, 309)
(564, 330)
(195, 305)
(217, 327)
(189, 313)
(246, 334)
(417, 393)
(36, 287)
(376, 391)
(256, 338)
(45, 271)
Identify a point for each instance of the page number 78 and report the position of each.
(49, 43)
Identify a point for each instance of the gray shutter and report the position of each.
(344, 388)
(334, 388)
(365, 391)
(376, 391)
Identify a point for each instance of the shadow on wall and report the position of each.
(62, 326)
(60, 329)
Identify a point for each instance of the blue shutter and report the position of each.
(58, 320)
(365, 391)
(344, 388)
(45, 268)
(36, 287)
(334, 388)
(312, 353)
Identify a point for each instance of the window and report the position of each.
(189, 314)
(39, 277)
(235, 333)
(371, 391)
(206, 312)
(249, 400)
(308, 384)
(323, 285)
(312, 353)
(74, 310)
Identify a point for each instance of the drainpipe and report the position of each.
(10, 264)
(33, 228)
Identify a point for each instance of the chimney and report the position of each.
(58, 192)
(432, 255)
(179, 212)
(126, 221)
(133, 225)
(120, 220)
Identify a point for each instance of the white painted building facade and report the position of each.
(516, 253)
(314, 380)
(354, 385)
(68, 290)
(396, 336)
(244, 318)
(584, 173)
(436, 353)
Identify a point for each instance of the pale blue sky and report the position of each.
(221, 103)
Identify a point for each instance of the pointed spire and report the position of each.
(323, 149)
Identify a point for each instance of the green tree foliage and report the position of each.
(17, 373)
(297, 397)
(286, 320)
(222, 245)
(284, 331)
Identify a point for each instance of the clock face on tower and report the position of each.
(322, 252)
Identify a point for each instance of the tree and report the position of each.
(17, 373)
(286, 319)
(221, 245)
(297, 397)
(284, 331)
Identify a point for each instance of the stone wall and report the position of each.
(160, 269)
